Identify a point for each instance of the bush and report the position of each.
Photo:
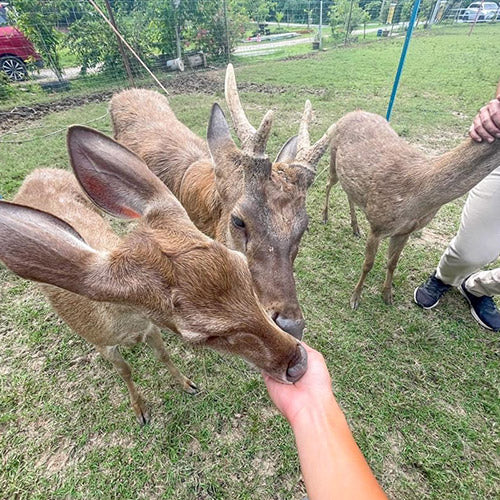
(6, 88)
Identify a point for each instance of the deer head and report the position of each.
(165, 268)
(263, 203)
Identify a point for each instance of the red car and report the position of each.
(15, 49)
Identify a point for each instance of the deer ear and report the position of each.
(41, 247)
(113, 177)
(218, 133)
(288, 152)
(226, 157)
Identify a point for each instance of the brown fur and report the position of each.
(271, 203)
(164, 274)
(398, 188)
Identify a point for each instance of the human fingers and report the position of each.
(494, 110)
(479, 128)
(474, 135)
(487, 119)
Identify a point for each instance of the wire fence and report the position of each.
(90, 45)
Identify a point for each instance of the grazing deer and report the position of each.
(398, 187)
(236, 196)
(164, 274)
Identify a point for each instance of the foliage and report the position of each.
(338, 15)
(279, 17)
(38, 22)
(206, 27)
(403, 10)
(6, 89)
(259, 10)
(150, 28)
(372, 8)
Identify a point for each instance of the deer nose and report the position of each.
(298, 365)
(294, 327)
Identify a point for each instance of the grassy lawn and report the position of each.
(419, 388)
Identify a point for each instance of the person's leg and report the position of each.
(476, 244)
(478, 290)
(484, 283)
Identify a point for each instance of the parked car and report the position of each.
(15, 49)
(487, 12)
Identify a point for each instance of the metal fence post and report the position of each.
(414, 13)
(320, 24)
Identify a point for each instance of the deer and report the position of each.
(164, 274)
(399, 188)
(236, 196)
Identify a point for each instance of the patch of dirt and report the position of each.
(433, 238)
(206, 82)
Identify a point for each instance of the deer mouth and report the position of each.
(296, 368)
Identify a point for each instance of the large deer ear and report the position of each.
(112, 176)
(226, 156)
(288, 152)
(218, 133)
(41, 247)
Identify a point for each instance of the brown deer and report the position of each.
(164, 274)
(236, 196)
(399, 188)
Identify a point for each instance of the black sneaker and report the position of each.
(428, 294)
(483, 309)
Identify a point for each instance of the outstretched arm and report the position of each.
(486, 124)
(331, 462)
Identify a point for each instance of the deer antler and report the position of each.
(308, 156)
(252, 141)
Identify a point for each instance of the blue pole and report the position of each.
(414, 12)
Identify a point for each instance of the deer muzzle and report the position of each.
(297, 366)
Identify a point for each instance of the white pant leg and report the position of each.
(477, 242)
(484, 283)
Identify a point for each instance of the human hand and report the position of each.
(312, 391)
(486, 124)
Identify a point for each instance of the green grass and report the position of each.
(419, 388)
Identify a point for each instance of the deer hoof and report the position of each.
(355, 300)
(189, 386)
(141, 413)
(324, 219)
(387, 296)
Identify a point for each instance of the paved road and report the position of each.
(46, 75)
(269, 47)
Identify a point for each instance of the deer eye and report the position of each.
(237, 222)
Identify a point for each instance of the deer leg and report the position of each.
(354, 219)
(371, 251)
(113, 355)
(155, 341)
(333, 179)
(396, 245)
(331, 182)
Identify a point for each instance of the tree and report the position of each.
(279, 18)
(38, 22)
(338, 15)
(259, 10)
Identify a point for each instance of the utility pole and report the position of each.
(228, 52)
(177, 34)
(125, 60)
(320, 25)
(348, 23)
(434, 12)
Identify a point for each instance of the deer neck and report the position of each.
(454, 173)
